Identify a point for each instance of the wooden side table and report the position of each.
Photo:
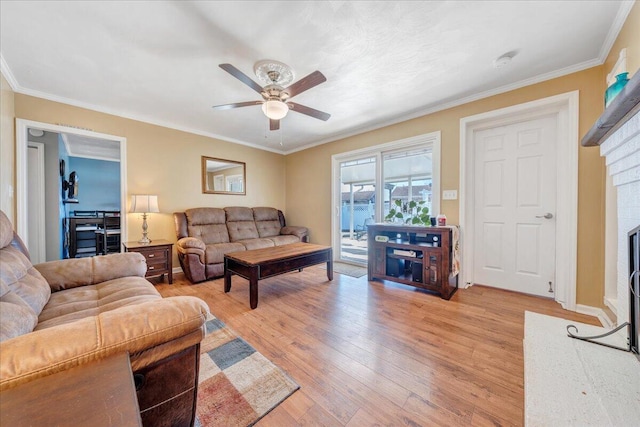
(158, 254)
(98, 394)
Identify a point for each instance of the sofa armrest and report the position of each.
(300, 232)
(131, 329)
(75, 272)
(192, 245)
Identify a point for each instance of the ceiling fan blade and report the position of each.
(309, 111)
(241, 76)
(313, 79)
(274, 124)
(236, 105)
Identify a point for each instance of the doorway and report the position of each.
(36, 202)
(22, 169)
(517, 164)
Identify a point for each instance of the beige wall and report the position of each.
(309, 203)
(167, 162)
(629, 38)
(7, 148)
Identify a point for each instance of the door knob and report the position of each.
(548, 215)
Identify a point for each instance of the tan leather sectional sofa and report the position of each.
(62, 314)
(206, 234)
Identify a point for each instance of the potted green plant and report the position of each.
(415, 213)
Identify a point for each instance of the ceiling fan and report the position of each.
(276, 93)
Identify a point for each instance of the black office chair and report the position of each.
(108, 233)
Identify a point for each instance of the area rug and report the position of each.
(237, 385)
(347, 269)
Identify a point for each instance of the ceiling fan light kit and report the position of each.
(276, 76)
(275, 109)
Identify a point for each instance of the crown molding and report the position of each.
(140, 118)
(6, 72)
(618, 23)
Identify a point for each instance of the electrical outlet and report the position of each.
(449, 194)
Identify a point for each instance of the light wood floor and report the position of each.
(378, 353)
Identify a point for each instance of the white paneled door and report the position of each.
(515, 206)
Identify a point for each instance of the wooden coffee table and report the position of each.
(259, 264)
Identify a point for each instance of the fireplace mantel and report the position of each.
(621, 109)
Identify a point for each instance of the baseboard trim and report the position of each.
(596, 312)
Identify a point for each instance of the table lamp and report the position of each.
(144, 204)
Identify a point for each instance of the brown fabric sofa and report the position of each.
(206, 234)
(61, 314)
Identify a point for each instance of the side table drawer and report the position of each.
(157, 254)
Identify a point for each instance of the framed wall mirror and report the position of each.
(220, 176)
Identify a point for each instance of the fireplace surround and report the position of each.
(617, 133)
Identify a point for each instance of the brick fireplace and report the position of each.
(622, 152)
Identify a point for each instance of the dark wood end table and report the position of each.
(159, 256)
(259, 264)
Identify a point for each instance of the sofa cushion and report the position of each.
(252, 244)
(6, 230)
(207, 224)
(284, 239)
(19, 276)
(91, 300)
(267, 221)
(16, 317)
(215, 253)
(240, 224)
(239, 213)
(74, 272)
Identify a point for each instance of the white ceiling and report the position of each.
(385, 61)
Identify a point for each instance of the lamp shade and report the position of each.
(144, 203)
(275, 109)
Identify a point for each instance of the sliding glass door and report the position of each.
(367, 181)
(357, 207)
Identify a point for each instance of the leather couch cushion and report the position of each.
(6, 230)
(16, 317)
(284, 239)
(92, 300)
(19, 276)
(239, 213)
(265, 214)
(207, 224)
(242, 230)
(268, 228)
(267, 221)
(252, 244)
(240, 224)
(215, 253)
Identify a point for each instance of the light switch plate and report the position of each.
(449, 194)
